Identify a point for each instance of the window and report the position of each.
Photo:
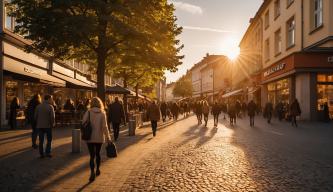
(289, 2)
(267, 50)
(277, 9)
(291, 32)
(278, 42)
(266, 19)
(9, 21)
(317, 13)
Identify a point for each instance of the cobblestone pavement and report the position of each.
(229, 159)
(183, 157)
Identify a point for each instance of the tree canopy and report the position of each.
(126, 34)
(183, 87)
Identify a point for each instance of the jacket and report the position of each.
(295, 109)
(216, 110)
(116, 113)
(153, 112)
(44, 115)
(251, 108)
(99, 125)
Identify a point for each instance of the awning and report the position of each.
(117, 89)
(253, 90)
(73, 83)
(26, 71)
(133, 95)
(233, 93)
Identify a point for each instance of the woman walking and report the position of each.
(96, 115)
(33, 103)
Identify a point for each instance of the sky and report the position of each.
(210, 26)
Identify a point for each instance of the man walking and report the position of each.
(268, 111)
(45, 121)
(32, 105)
(216, 110)
(251, 110)
(164, 110)
(295, 111)
(153, 114)
(116, 116)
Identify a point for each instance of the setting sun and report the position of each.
(229, 47)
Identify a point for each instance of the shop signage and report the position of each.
(274, 69)
(27, 70)
(330, 59)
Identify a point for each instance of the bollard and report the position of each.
(76, 141)
(131, 127)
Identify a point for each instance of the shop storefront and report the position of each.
(325, 92)
(307, 77)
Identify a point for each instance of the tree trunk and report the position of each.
(101, 76)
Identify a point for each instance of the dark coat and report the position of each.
(164, 108)
(116, 113)
(33, 103)
(251, 108)
(153, 112)
(44, 115)
(295, 109)
(216, 110)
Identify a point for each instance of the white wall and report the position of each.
(303, 94)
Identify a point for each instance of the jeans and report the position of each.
(115, 127)
(94, 151)
(216, 119)
(34, 134)
(42, 132)
(154, 127)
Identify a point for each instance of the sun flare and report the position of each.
(229, 47)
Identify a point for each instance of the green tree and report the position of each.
(100, 32)
(183, 88)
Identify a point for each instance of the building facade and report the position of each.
(297, 52)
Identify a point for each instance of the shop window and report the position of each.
(278, 91)
(325, 95)
(30, 89)
(11, 92)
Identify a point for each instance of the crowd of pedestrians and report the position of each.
(40, 115)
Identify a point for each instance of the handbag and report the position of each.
(111, 150)
(86, 129)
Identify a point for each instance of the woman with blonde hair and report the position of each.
(96, 115)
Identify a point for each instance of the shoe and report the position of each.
(49, 155)
(98, 172)
(34, 146)
(92, 177)
(41, 156)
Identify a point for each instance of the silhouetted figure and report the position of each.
(116, 116)
(153, 113)
(198, 111)
(216, 110)
(164, 111)
(326, 112)
(268, 111)
(205, 111)
(14, 106)
(251, 110)
(279, 110)
(232, 113)
(33, 103)
(295, 111)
